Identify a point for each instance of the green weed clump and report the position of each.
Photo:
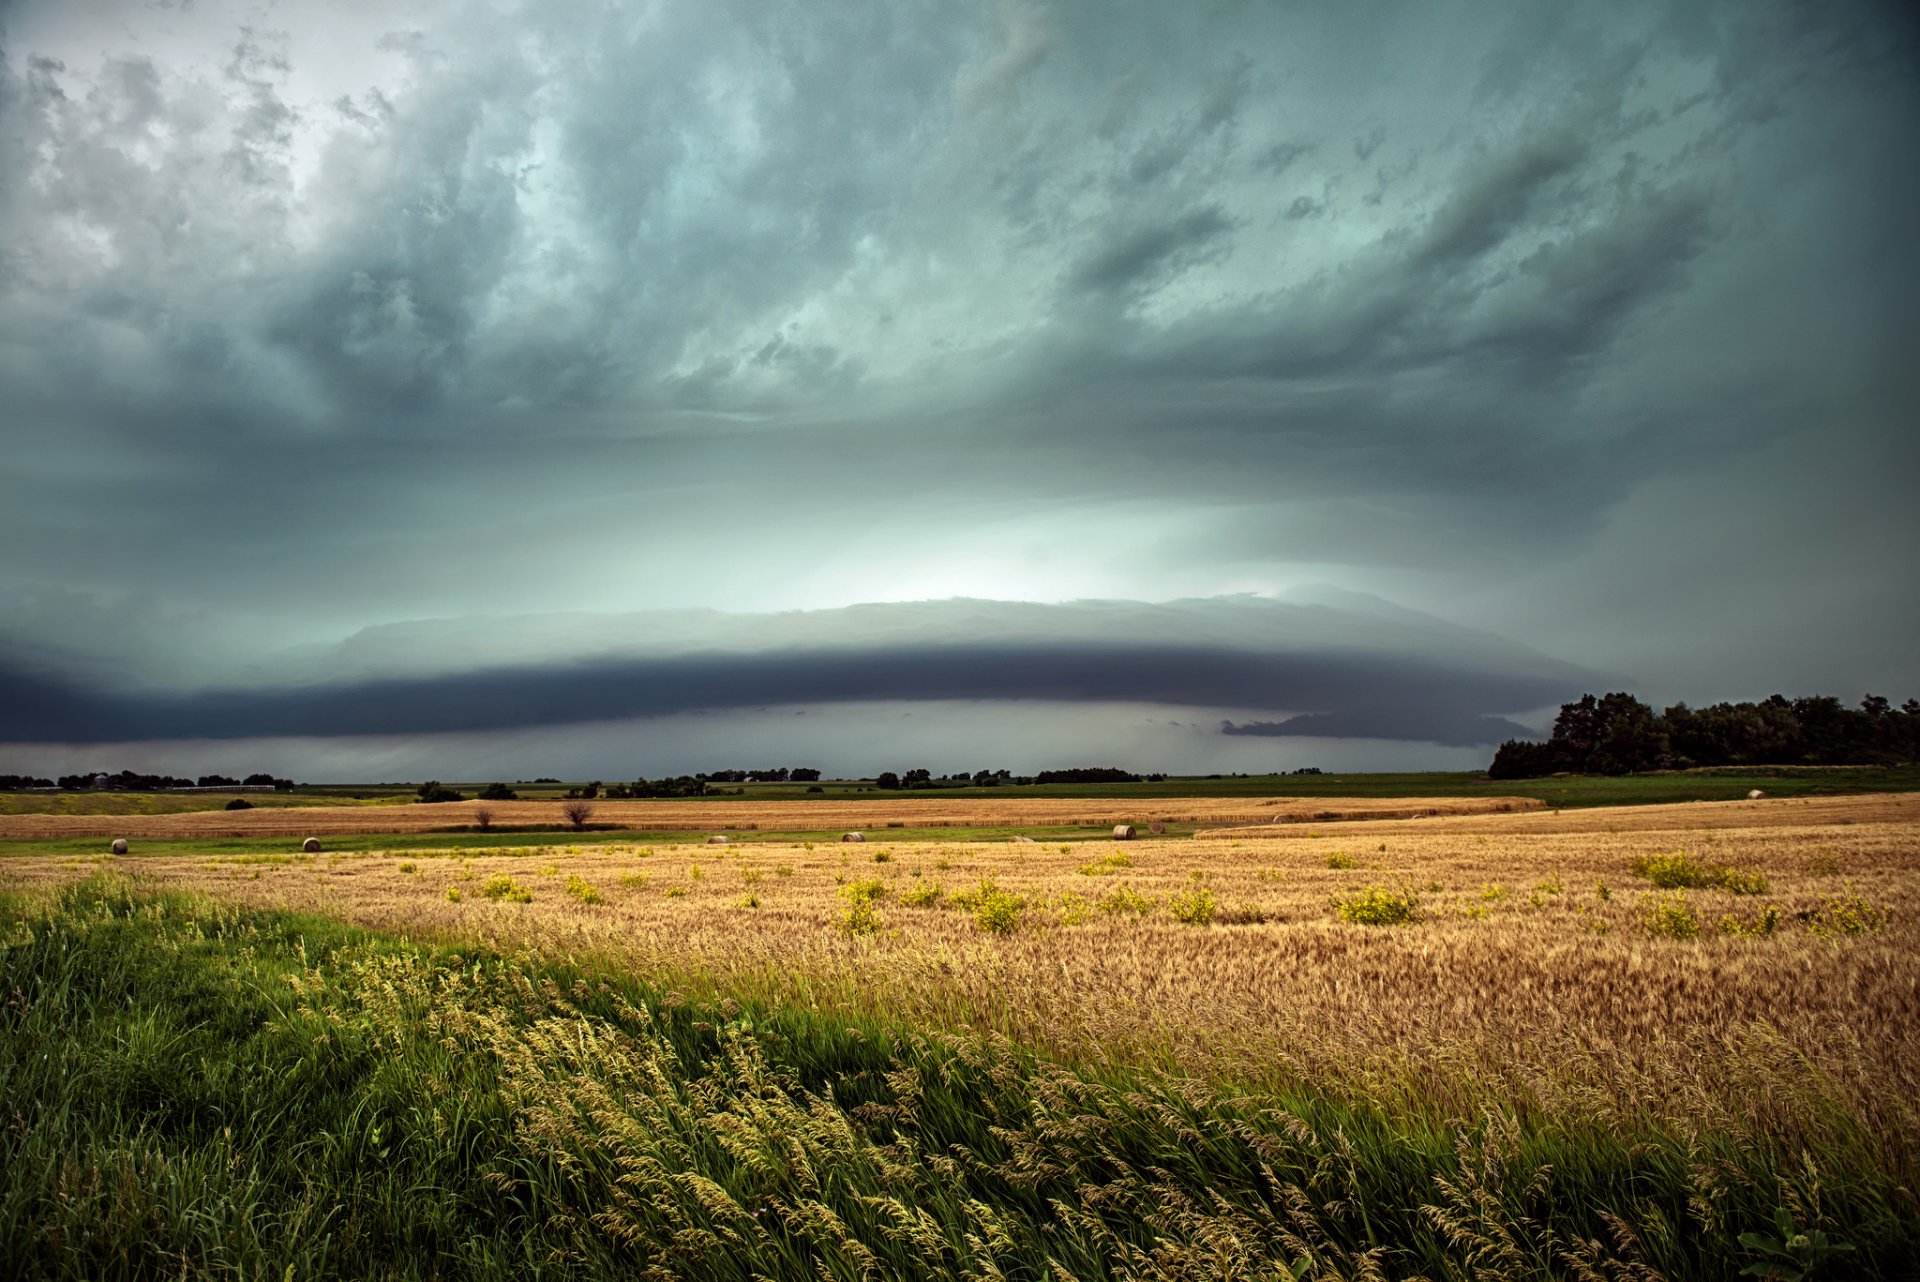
(924, 895)
(1106, 865)
(1125, 899)
(502, 887)
(1848, 914)
(1378, 906)
(995, 910)
(1670, 917)
(1680, 871)
(1766, 923)
(584, 891)
(1195, 906)
(1340, 861)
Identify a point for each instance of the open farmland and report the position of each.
(1686, 1019)
(877, 814)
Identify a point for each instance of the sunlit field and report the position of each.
(1513, 1045)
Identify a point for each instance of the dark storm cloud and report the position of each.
(338, 324)
(1406, 699)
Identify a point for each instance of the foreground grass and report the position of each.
(204, 1091)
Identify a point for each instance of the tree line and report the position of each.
(1617, 734)
(134, 781)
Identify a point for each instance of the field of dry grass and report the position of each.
(667, 815)
(1537, 969)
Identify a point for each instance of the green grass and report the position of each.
(200, 1091)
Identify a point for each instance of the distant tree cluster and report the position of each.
(776, 774)
(135, 781)
(889, 781)
(433, 791)
(1617, 734)
(1088, 774)
(678, 786)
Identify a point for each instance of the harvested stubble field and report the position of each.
(1723, 1016)
(752, 816)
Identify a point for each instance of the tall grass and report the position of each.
(202, 1091)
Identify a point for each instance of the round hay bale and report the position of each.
(716, 840)
(1024, 841)
(311, 845)
(119, 846)
(1123, 832)
(853, 836)
(1755, 795)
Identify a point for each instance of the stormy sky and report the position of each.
(604, 389)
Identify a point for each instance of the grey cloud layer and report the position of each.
(1366, 668)
(584, 305)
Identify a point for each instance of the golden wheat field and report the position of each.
(748, 816)
(1535, 967)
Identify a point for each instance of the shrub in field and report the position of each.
(860, 916)
(1765, 924)
(1195, 905)
(635, 879)
(925, 895)
(995, 910)
(1074, 909)
(1670, 917)
(1106, 865)
(1848, 914)
(675, 892)
(1125, 899)
(1680, 871)
(584, 891)
(501, 886)
(749, 900)
(749, 875)
(1378, 906)
(453, 894)
(1337, 860)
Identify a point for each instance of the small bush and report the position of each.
(995, 910)
(1074, 910)
(1849, 914)
(1765, 924)
(409, 866)
(1679, 871)
(749, 900)
(925, 895)
(239, 803)
(1106, 865)
(502, 887)
(635, 879)
(674, 892)
(859, 917)
(1670, 917)
(870, 889)
(1378, 906)
(882, 856)
(1337, 860)
(1124, 899)
(1195, 905)
(453, 894)
(749, 875)
(584, 892)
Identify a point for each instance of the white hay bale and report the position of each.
(853, 836)
(716, 840)
(311, 845)
(1123, 832)
(1755, 795)
(1024, 841)
(119, 846)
